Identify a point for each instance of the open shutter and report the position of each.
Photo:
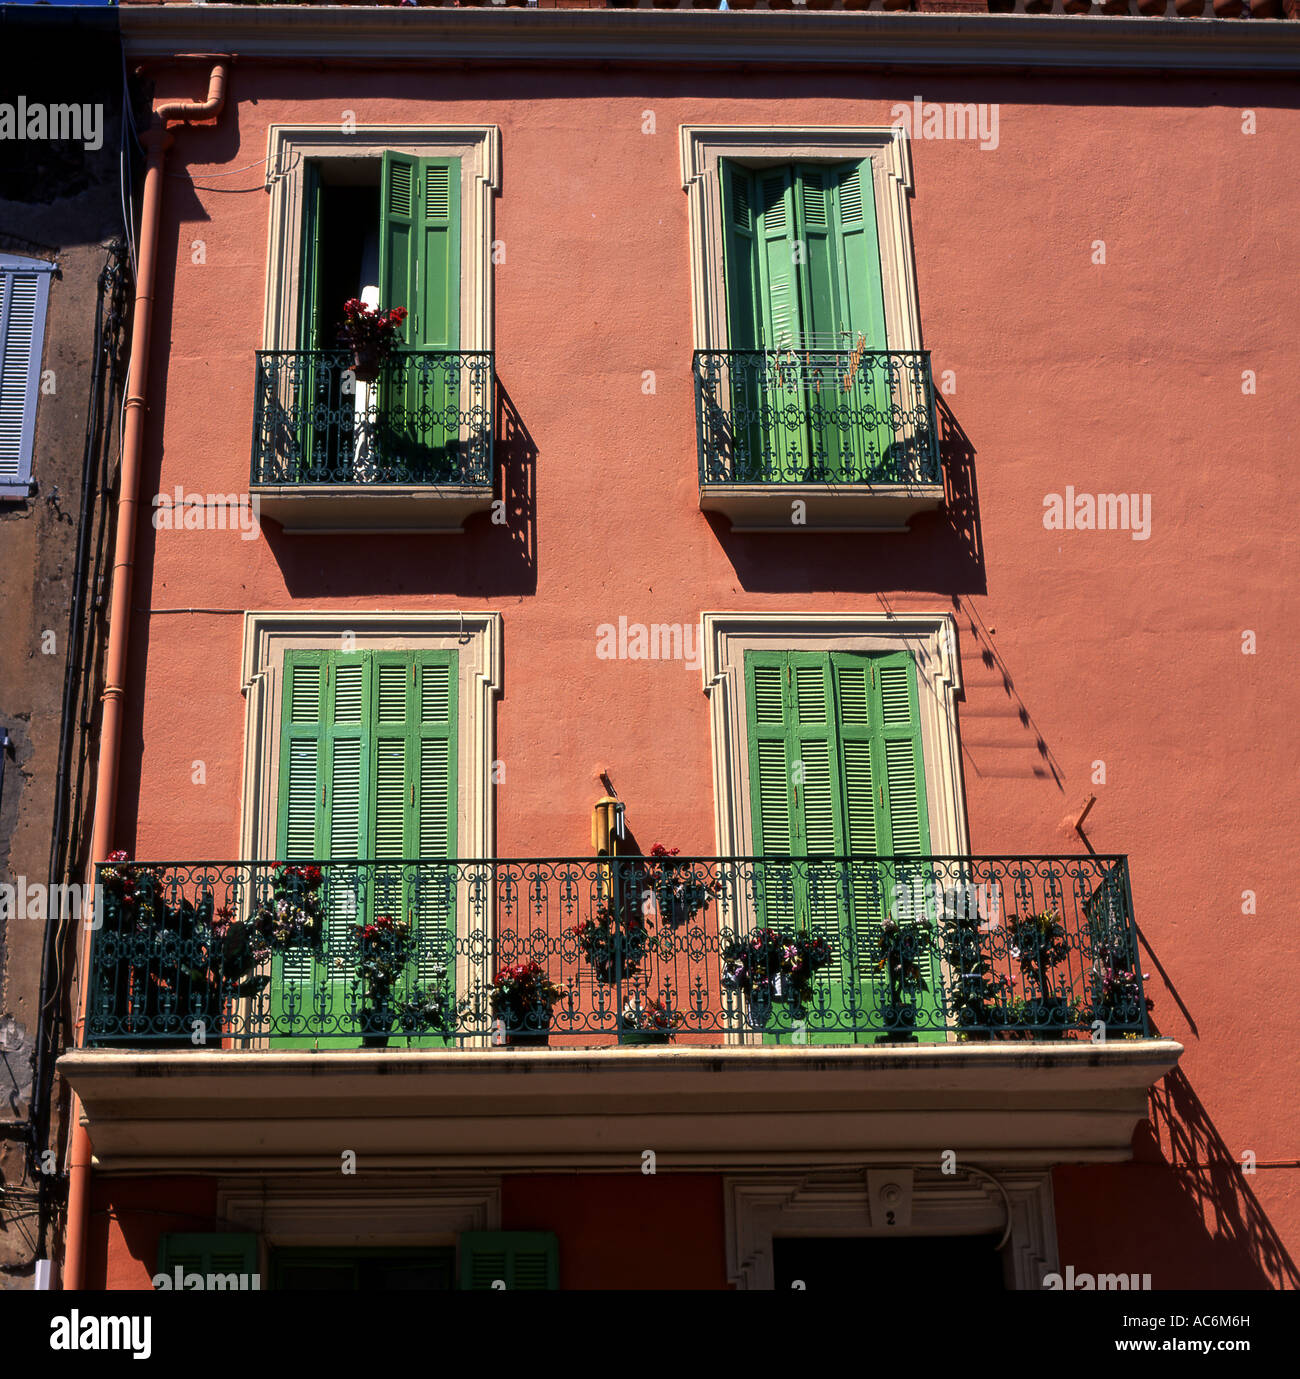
(399, 175)
(740, 256)
(24, 291)
(419, 269)
(521, 1260)
(223, 1253)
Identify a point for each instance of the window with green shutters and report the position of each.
(836, 771)
(805, 293)
(418, 233)
(228, 1256)
(367, 773)
(516, 1259)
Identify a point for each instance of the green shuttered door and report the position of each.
(367, 772)
(803, 281)
(836, 770)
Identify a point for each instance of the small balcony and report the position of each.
(728, 1011)
(411, 450)
(827, 439)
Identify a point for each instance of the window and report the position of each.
(815, 404)
(368, 772)
(517, 1259)
(398, 216)
(24, 293)
(836, 770)
(380, 753)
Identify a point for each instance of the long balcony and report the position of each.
(709, 951)
(830, 439)
(728, 1012)
(410, 450)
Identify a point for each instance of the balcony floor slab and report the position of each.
(700, 1108)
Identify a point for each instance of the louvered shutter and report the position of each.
(521, 1260)
(398, 190)
(903, 828)
(24, 292)
(771, 787)
(419, 269)
(225, 1254)
(818, 830)
(740, 259)
(868, 880)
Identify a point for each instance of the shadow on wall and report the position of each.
(495, 556)
(942, 552)
(1212, 1183)
(1182, 1211)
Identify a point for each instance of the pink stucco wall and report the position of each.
(1077, 647)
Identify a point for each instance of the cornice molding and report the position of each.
(354, 36)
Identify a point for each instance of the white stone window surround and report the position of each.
(887, 147)
(932, 640)
(1018, 1205)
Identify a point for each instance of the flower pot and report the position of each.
(758, 1011)
(365, 363)
(896, 4)
(1266, 9)
(1076, 6)
(820, 4)
(1228, 9)
(634, 1037)
(1153, 9)
(375, 1041)
(1114, 6)
(505, 1038)
(1037, 6)
(1189, 9)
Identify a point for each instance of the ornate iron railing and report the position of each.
(426, 419)
(816, 416)
(642, 950)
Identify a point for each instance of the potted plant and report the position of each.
(770, 968)
(902, 947)
(174, 964)
(429, 1008)
(978, 994)
(615, 949)
(678, 892)
(291, 916)
(370, 334)
(386, 946)
(522, 1000)
(1118, 998)
(1039, 944)
(647, 1021)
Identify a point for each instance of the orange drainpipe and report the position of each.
(156, 141)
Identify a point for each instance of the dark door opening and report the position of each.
(364, 1270)
(886, 1263)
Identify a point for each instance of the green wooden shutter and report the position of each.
(519, 1259)
(740, 256)
(419, 269)
(217, 1252)
(399, 182)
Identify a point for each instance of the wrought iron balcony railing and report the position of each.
(426, 419)
(816, 416)
(709, 951)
